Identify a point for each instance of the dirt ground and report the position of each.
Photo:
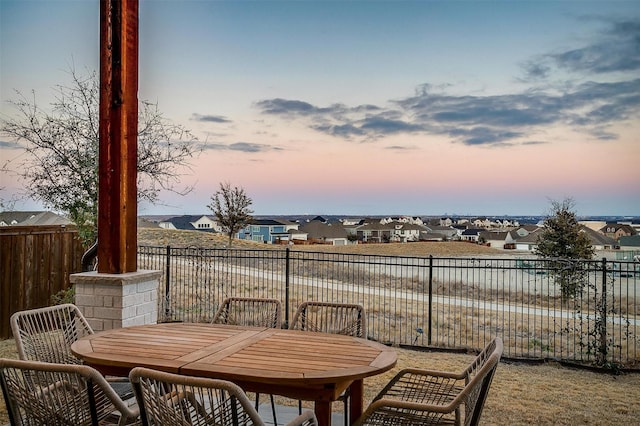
(521, 394)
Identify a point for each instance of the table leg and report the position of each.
(356, 399)
(323, 412)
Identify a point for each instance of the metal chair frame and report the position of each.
(169, 399)
(46, 335)
(428, 397)
(38, 393)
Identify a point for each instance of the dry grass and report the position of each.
(521, 394)
(179, 238)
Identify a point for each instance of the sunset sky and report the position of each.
(369, 107)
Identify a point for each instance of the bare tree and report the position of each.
(62, 168)
(231, 208)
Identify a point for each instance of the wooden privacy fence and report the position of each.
(35, 263)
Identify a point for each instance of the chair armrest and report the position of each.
(422, 386)
(408, 405)
(435, 373)
(307, 418)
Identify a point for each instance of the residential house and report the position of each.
(529, 241)
(349, 221)
(524, 230)
(403, 219)
(406, 232)
(192, 223)
(506, 223)
(295, 235)
(438, 233)
(599, 241)
(483, 222)
(32, 218)
(446, 221)
(325, 233)
(460, 228)
(373, 233)
(389, 232)
(499, 239)
(268, 231)
(593, 224)
(617, 230)
(471, 234)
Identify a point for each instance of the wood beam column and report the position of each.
(117, 192)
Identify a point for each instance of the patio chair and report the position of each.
(251, 311)
(426, 397)
(46, 335)
(336, 318)
(169, 399)
(42, 393)
(325, 317)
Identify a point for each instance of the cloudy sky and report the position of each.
(370, 107)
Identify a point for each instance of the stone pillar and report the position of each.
(117, 300)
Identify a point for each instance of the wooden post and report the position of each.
(117, 192)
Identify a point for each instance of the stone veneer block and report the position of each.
(117, 300)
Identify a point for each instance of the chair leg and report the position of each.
(273, 408)
(346, 410)
(299, 406)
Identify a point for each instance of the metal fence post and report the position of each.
(603, 314)
(286, 288)
(167, 282)
(430, 300)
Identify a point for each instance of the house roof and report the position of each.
(271, 222)
(630, 241)
(407, 226)
(320, 230)
(497, 235)
(617, 226)
(33, 218)
(531, 237)
(436, 228)
(185, 222)
(596, 238)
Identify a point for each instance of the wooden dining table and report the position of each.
(297, 364)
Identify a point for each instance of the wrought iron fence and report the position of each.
(426, 302)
